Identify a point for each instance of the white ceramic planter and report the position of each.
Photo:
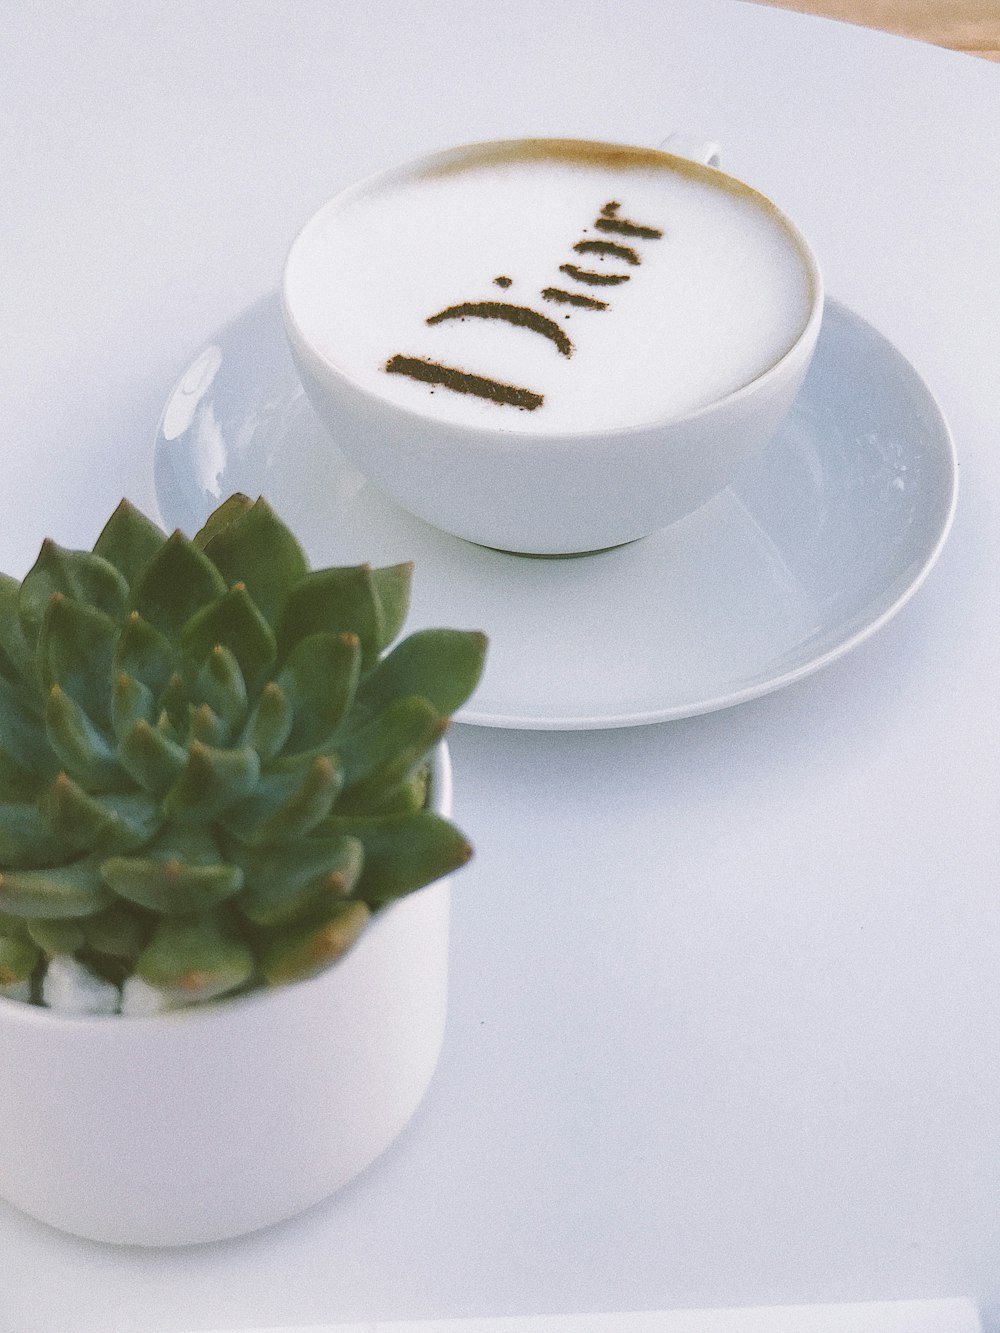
(205, 1124)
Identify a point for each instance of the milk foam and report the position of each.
(706, 308)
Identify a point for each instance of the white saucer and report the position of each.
(815, 548)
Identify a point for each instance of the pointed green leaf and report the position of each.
(270, 724)
(220, 684)
(221, 517)
(117, 821)
(61, 892)
(334, 601)
(23, 738)
(232, 622)
(392, 588)
(302, 952)
(16, 783)
(151, 758)
(26, 837)
(257, 549)
(287, 803)
(14, 927)
(83, 750)
(17, 656)
(311, 803)
(18, 959)
(131, 702)
(212, 782)
(170, 887)
(207, 727)
(166, 728)
(129, 540)
(300, 880)
(76, 647)
(175, 701)
(402, 852)
(120, 931)
(408, 796)
(319, 679)
(136, 819)
(84, 577)
(194, 959)
(182, 871)
(144, 653)
(177, 582)
(74, 819)
(57, 936)
(383, 755)
(443, 666)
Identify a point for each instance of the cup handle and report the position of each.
(693, 147)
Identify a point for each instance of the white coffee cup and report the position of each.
(495, 472)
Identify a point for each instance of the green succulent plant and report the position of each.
(212, 771)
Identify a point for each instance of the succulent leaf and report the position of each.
(76, 646)
(342, 600)
(212, 782)
(175, 584)
(57, 936)
(131, 702)
(80, 822)
(207, 727)
(220, 519)
(26, 837)
(22, 740)
(298, 882)
(58, 892)
(319, 680)
(80, 575)
(16, 783)
(144, 653)
(256, 548)
(408, 796)
(383, 755)
(302, 952)
(151, 758)
(195, 959)
(441, 665)
(175, 702)
(82, 749)
(288, 803)
(392, 590)
(181, 872)
(18, 959)
(121, 930)
(17, 658)
(402, 852)
(270, 724)
(129, 540)
(232, 622)
(15, 927)
(220, 684)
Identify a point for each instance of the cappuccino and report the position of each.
(551, 287)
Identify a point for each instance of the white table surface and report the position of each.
(725, 992)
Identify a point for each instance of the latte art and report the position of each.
(460, 381)
(551, 290)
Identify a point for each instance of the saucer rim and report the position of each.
(723, 700)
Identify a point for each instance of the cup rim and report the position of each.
(496, 433)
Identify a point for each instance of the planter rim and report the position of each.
(18, 1011)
